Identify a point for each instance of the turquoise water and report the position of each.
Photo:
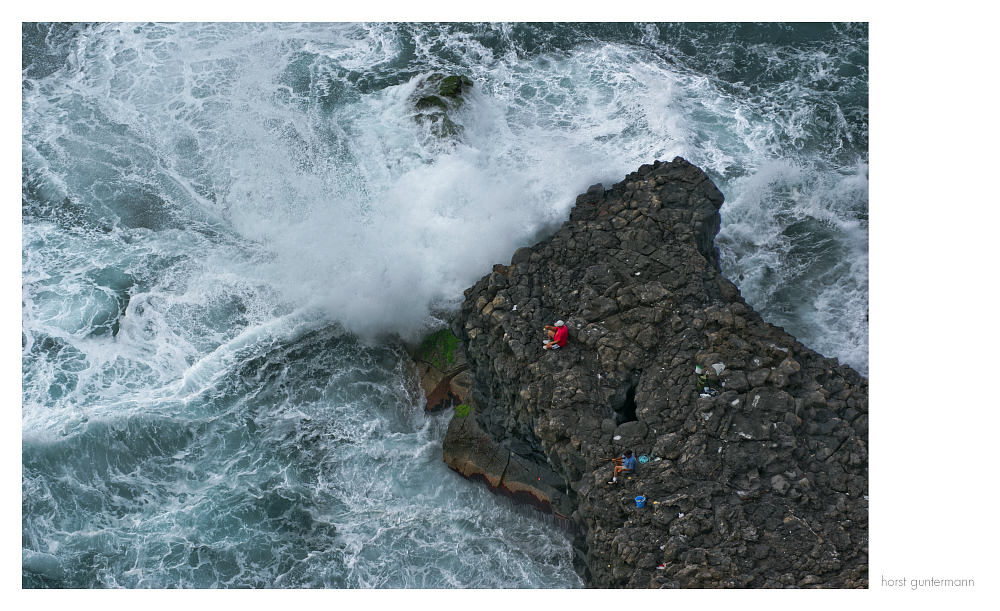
(227, 229)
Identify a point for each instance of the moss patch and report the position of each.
(438, 349)
(461, 411)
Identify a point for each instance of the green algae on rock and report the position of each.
(438, 349)
(442, 370)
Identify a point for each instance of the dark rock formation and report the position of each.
(758, 469)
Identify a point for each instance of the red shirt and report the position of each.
(562, 334)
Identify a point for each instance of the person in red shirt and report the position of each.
(558, 336)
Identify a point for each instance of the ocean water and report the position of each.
(228, 228)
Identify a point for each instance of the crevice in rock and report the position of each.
(628, 410)
(623, 401)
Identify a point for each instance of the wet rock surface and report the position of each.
(757, 472)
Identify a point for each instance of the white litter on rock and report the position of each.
(617, 437)
(718, 367)
(637, 273)
(514, 309)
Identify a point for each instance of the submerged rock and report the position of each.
(757, 472)
(435, 97)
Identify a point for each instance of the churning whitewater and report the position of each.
(227, 228)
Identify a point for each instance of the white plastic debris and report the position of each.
(637, 273)
(718, 367)
(514, 309)
(617, 437)
(680, 515)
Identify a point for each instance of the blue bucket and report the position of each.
(640, 501)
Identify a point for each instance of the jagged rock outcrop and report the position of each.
(761, 481)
